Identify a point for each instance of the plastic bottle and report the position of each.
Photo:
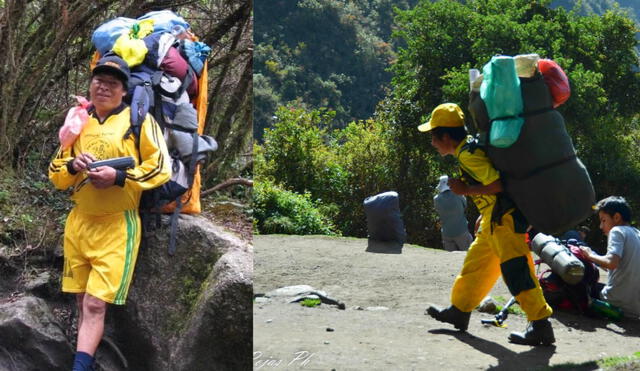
(76, 118)
(605, 309)
(473, 76)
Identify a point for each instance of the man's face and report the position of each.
(106, 92)
(442, 145)
(607, 221)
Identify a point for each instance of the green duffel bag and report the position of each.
(540, 172)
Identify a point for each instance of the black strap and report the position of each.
(188, 79)
(178, 128)
(471, 145)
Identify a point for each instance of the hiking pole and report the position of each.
(501, 316)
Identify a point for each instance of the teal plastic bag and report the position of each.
(500, 91)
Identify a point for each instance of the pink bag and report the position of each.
(76, 118)
(556, 81)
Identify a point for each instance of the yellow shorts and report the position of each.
(100, 254)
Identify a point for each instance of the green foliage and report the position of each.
(619, 363)
(338, 169)
(4, 195)
(296, 153)
(613, 361)
(324, 53)
(366, 154)
(586, 7)
(32, 214)
(311, 303)
(277, 210)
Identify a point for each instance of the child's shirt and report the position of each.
(623, 287)
(476, 165)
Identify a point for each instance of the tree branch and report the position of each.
(238, 15)
(227, 183)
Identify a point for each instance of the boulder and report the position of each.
(30, 337)
(192, 310)
(219, 334)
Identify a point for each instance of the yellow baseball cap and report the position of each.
(447, 115)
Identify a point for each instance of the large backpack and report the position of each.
(155, 90)
(564, 296)
(186, 147)
(540, 172)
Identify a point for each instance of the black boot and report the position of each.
(537, 332)
(452, 315)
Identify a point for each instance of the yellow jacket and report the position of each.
(477, 165)
(104, 141)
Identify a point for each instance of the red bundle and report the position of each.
(556, 80)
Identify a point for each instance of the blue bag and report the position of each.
(500, 91)
(196, 53)
(106, 35)
(165, 20)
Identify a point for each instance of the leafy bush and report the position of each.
(277, 210)
(297, 152)
(366, 153)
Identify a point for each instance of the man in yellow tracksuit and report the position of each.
(499, 247)
(102, 232)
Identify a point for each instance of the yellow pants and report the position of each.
(100, 254)
(492, 253)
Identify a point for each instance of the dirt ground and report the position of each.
(400, 337)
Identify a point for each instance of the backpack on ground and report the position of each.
(571, 297)
(384, 220)
(167, 88)
(569, 282)
(540, 171)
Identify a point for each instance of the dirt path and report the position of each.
(290, 336)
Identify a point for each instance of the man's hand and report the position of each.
(81, 162)
(458, 186)
(102, 177)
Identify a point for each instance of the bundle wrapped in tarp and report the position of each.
(384, 221)
(500, 91)
(540, 171)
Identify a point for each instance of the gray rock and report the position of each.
(191, 310)
(219, 333)
(41, 285)
(290, 291)
(377, 309)
(30, 337)
(488, 305)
